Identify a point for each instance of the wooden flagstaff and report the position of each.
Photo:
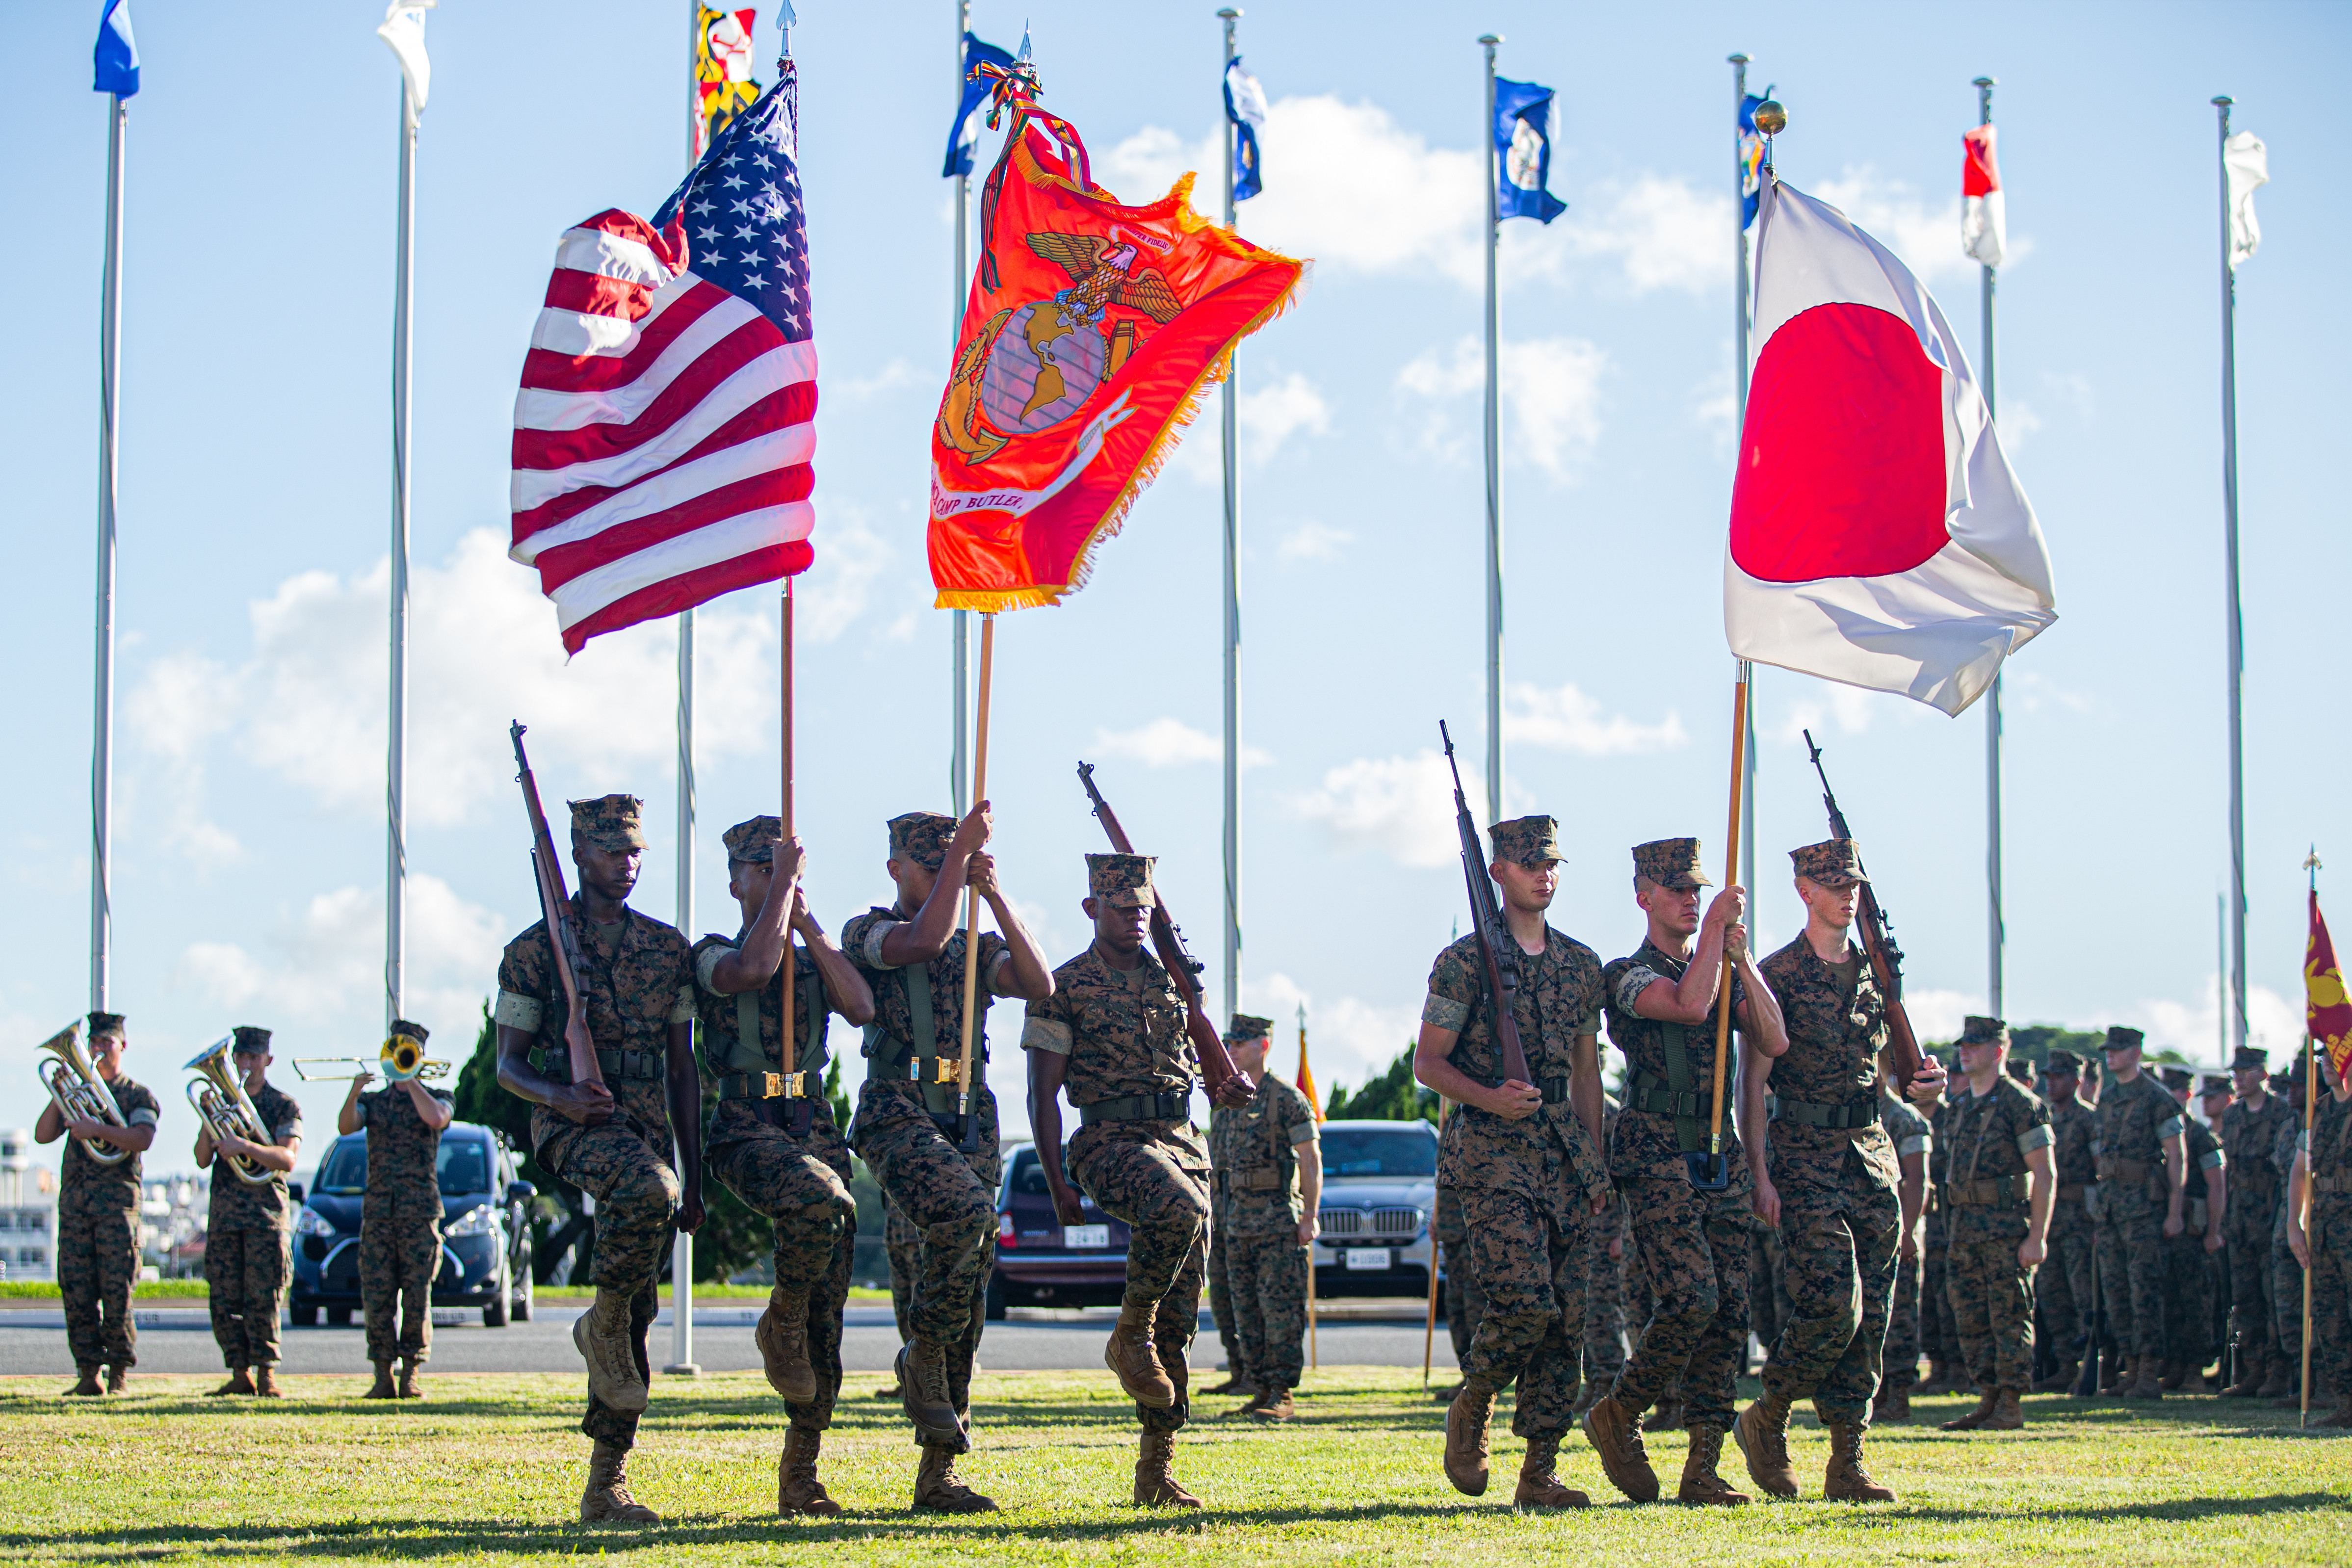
(1429, 1324)
(1730, 878)
(2310, 1116)
(972, 895)
(784, 818)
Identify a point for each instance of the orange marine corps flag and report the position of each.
(1090, 331)
(2328, 1012)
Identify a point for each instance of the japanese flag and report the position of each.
(1878, 537)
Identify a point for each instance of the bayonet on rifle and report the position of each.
(1498, 952)
(1217, 1068)
(563, 936)
(1885, 958)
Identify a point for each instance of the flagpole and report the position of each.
(959, 621)
(2310, 1058)
(2229, 547)
(110, 403)
(1741, 326)
(681, 1265)
(1233, 634)
(395, 923)
(972, 895)
(1494, 468)
(1996, 932)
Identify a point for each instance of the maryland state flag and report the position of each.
(2328, 1012)
(1090, 331)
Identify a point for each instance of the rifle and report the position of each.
(1885, 958)
(1498, 954)
(563, 937)
(1217, 1067)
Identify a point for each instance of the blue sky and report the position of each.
(256, 495)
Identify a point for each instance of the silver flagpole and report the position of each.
(1232, 637)
(2236, 629)
(2220, 978)
(395, 763)
(1494, 468)
(110, 401)
(681, 1260)
(1738, 195)
(1996, 932)
(959, 621)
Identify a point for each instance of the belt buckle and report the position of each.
(780, 1085)
(951, 1070)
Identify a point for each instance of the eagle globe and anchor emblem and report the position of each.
(1036, 365)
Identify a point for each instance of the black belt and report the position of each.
(1834, 1117)
(1553, 1089)
(624, 1064)
(1176, 1105)
(761, 1085)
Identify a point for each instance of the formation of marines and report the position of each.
(1967, 1219)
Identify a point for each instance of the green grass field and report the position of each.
(488, 1471)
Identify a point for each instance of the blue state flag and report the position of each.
(116, 58)
(1524, 117)
(963, 136)
(1246, 108)
(1751, 159)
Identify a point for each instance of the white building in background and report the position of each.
(28, 1210)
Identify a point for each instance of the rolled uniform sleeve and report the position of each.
(288, 1126)
(1453, 993)
(2167, 1131)
(1632, 983)
(682, 1010)
(1914, 1143)
(1044, 1028)
(2034, 1138)
(2213, 1160)
(363, 1106)
(706, 965)
(517, 1011)
(139, 1116)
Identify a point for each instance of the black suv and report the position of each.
(485, 1231)
(1039, 1261)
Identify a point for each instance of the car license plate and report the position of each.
(1086, 1235)
(1367, 1257)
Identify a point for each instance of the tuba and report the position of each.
(225, 1109)
(79, 1092)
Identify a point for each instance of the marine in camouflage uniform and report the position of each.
(2066, 1283)
(1112, 1035)
(400, 1218)
(2287, 1274)
(1939, 1336)
(1465, 1303)
(908, 1130)
(2188, 1258)
(249, 1249)
(614, 1141)
(98, 1220)
(2322, 1178)
(1998, 1195)
(2140, 1161)
(1833, 1170)
(1604, 1287)
(1913, 1141)
(2250, 1127)
(1767, 1282)
(1530, 1183)
(1692, 1240)
(1260, 1164)
(1220, 1312)
(771, 1138)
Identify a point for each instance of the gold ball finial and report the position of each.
(1771, 118)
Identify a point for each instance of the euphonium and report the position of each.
(79, 1092)
(225, 1109)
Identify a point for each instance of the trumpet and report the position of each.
(79, 1092)
(227, 1110)
(401, 1058)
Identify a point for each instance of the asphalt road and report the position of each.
(179, 1340)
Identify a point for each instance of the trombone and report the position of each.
(227, 1110)
(401, 1058)
(80, 1094)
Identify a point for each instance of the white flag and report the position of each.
(404, 30)
(2247, 164)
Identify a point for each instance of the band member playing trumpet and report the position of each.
(247, 1245)
(400, 1218)
(98, 1207)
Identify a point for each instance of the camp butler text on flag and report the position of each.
(1878, 537)
(1089, 333)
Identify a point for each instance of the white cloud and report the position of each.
(1313, 541)
(836, 590)
(1401, 806)
(1939, 1015)
(1662, 232)
(1551, 399)
(2018, 425)
(1270, 415)
(899, 373)
(1349, 1040)
(1167, 742)
(1813, 705)
(1564, 719)
(2273, 1024)
(329, 959)
(306, 702)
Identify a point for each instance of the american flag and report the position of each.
(667, 412)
